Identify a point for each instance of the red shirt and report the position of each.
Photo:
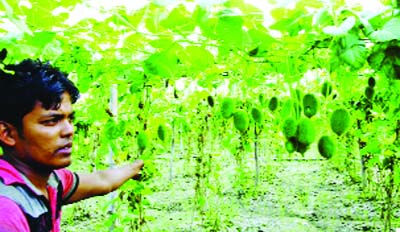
(13, 217)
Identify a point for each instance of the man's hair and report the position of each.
(23, 85)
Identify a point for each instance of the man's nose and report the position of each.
(67, 129)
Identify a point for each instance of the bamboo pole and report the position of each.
(113, 106)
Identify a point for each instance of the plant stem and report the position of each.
(256, 155)
(171, 162)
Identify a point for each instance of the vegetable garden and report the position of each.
(279, 116)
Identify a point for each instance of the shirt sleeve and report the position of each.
(70, 182)
(12, 219)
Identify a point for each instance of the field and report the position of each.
(278, 115)
(306, 194)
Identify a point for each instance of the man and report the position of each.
(36, 132)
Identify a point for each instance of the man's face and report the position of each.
(46, 139)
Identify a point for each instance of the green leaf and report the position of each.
(355, 56)
(261, 42)
(342, 29)
(322, 18)
(389, 31)
(371, 148)
(290, 24)
(197, 58)
(161, 64)
(229, 30)
(41, 38)
(377, 56)
(179, 20)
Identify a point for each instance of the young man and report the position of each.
(36, 132)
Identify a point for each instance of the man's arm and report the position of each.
(103, 182)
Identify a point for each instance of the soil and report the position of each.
(291, 195)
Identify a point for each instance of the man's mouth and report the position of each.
(67, 149)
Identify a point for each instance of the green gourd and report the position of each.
(371, 82)
(256, 114)
(306, 131)
(227, 107)
(326, 147)
(340, 121)
(290, 146)
(241, 120)
(369, 92)
(326, 89)
(310, 104)
(142, 140)
(161, 132)
(210, 101)
(273, 104)
(289, 127)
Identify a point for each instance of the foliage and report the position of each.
(174, 62)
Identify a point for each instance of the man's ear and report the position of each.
(6, 134)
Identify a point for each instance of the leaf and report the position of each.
(291, 24)
(322, 18)
(41, 39)
(355, 56)
(162, 64)
(389, 31)
(198, 58)
(229, 30)
(346, 26)
(179, 20)
(377, 56)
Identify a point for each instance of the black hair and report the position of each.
(23, 85)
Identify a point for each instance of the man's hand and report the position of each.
(137, 167)
(103, 182)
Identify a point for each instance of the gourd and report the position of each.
(310, 104)
(161, 132)
(210, 101)
(305, 131)
(340, 121)
(227, 107)
(326, 147)
(256, 114)
(273, 104)
(289, 127)
(369, 92)
(326, 89)
(290, 146)
(241, 120)
(371, 82)
(142, 140)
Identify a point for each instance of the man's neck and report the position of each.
(38, 178)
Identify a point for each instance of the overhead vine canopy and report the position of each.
(172, 39)
(180, 69)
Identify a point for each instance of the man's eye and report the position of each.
(50, 121)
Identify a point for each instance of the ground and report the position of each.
(292, 195)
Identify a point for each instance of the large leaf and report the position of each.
(288, 21)
(161, 64)
(229, 29)
(197, 58)
(261, 42)
(179, 20)
(355, 56)
(389, 31)
(41, 38)
(342, 29)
